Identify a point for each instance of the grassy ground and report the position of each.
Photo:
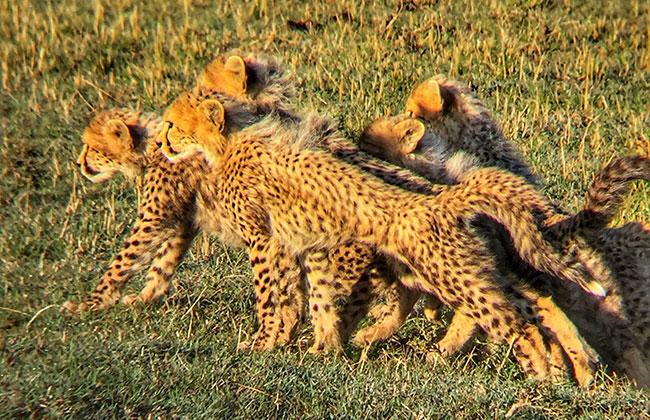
(568, 80)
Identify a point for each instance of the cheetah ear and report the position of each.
(214, 112)
(410, 132)
(429, 99)
(236, 67)
(122, 133)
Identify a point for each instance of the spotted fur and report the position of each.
(358, 273)
(273, 184)
(453, 121)
(399, 301)
(121, 141)
(116, 141)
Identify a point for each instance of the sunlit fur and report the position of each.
(617, 326)
(362, 275)
(355, 265)
(273, 185)
(116, 141)
(123, 140)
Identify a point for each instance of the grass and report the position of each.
(567, 79)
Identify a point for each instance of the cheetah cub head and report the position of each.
(257, 81)
(225, 75)
(192, 124)
(399, 139)
(391, 138)
(114, 141)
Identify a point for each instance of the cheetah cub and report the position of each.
(362, 275)
(172, 212)
(400, 301)
(271, 185)
(124, 141)
(452, 122)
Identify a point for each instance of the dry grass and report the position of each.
(567, 79)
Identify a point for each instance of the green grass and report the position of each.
(567, 79)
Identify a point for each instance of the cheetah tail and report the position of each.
(534, 249)
(606, 193)
(604, 197)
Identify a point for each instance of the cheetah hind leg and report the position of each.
(529, 348)
(582, 357)
(361, 295)
(530, 351)
(566, 349)
(633, 363)
(462, 329)
(359, 275)
(431, 309)
(389, 316)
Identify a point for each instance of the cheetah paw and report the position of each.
(327, 342)
(369, 335)
(317, 348)
(74, 308)
(436, 356)
(378, 311)
(284, 338)
(432, 315)
(250, 345)
(362, 340)
(245, 345)
(258, 343)
(132, 299)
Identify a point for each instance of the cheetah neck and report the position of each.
(145, 128)
(272, 88)
(151, 125)
(310, 131)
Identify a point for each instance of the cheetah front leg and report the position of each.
(322, 298)
(291, 297)
(146, 237)
(264, 252)
(159, 277)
